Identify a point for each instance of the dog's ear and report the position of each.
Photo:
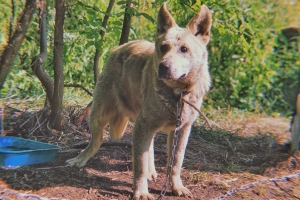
(164, 20)
(201, 23)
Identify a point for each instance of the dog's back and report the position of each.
(120, 82)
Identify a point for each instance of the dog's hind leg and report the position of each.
(98, 120)
(117, 124)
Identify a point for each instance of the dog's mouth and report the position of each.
(182, 76)
(164, 76)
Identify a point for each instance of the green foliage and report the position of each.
(4, 21)
(21, 81)
(246, 70)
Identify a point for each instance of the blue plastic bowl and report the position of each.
(16, 152)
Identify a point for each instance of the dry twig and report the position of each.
(79, 86)
(199, 111)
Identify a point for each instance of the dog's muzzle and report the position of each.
(164, 70)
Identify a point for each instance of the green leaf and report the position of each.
(93, 24)
(98, 44)
(131, 11)
(117, 23)
(90, 12)
(244, 42)
(89, 43)
(121, 2)
(148, 17)
(102, 28)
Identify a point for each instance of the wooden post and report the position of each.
(1, 120)
(295, 134)
(296, 124)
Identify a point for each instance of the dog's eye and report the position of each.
(164, 48)
(183, 49)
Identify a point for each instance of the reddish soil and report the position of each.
(220, 163)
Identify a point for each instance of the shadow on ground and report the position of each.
(108, 175)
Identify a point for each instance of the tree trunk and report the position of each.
(126, 24)
(37, 62)
(102, 33)
(12, 48)
(56, 109)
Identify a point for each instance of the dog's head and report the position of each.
(181, 53)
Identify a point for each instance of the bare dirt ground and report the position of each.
(242, 157)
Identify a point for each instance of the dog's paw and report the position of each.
(152, 176)
(181, 191)
(78, 162)
(142, 196)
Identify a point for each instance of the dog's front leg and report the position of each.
(177, 186)
(142, 140)
(152, 175)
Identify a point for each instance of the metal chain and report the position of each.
(249, 185)
(174, 145)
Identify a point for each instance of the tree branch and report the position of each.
(38, 70)
(12, 48)
(79, 86)
(12, 19)
(37, 62)
(102, 33)
(126, 24)
(43, 29)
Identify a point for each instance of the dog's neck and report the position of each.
(167, 92)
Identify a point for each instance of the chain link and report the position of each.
(179, 107)
(249, 185)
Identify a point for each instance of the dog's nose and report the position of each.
(164, 70)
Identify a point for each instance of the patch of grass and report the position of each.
(261, 189)
(233, 167)
(245, 123)
(189, 164)
(243, 195)
(197, 177)
(223, 186)
(220, 168)
(76, 97)
(72, 97)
